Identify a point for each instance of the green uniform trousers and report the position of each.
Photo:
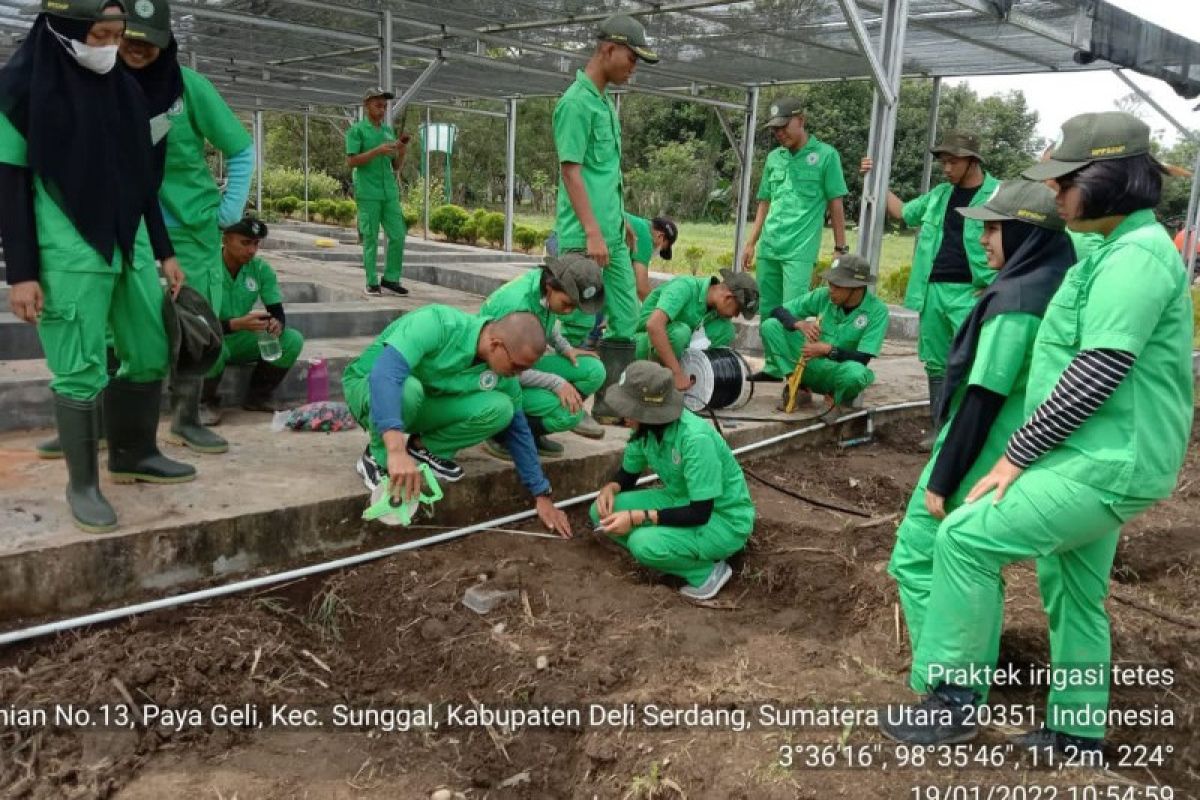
(621, 306)
(199, 254)
(946, 306)
(242, 348)
(780, 281)
(84, 311)
(576, 326)
(842, 380)
(445, 423)
(587, 377)
(372, 214)
(1072, 530)
(688, 553)
(720, 333)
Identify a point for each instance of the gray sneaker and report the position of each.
(589, 428)
(716, 581)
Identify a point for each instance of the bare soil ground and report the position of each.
(809, 620)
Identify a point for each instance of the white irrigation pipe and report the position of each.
(352, 561)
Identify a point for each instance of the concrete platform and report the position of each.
(274, 501)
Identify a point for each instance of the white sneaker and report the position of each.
(368, 469)
(716, 581)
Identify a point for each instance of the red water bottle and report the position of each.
(318, 380)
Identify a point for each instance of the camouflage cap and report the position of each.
(1020, 200)
(646, 392)
(958, 143)
(1087, 138)
(745, 289)
(582, 280)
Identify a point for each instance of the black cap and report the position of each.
(249, 226)
(670, 231)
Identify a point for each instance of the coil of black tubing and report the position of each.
(730, 376)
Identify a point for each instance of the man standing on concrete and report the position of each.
(949, 267)
(376, 155)
(802, 180)
(248, 280)
(590, 212)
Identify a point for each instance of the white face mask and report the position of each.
(100, 60)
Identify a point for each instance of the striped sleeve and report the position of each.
(1089, 380)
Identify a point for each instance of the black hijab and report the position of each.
(87, 135)
(162, 84)
(1036, 260)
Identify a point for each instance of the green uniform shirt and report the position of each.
(587, 132)
(523, 293)
(644, 250)
(60, 246)
(254, 281)
(439, 344)
(189, 192)
(929, 212)
(693, 461)
(1084, 243)
(1131, 295)
(374, 180)
(683, 299)
(862, 329)
(1002, 356)
(799, 187)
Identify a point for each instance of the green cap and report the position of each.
(1087, 138)
(582, 280)
(850, 272)
(745, 289)
(624, 29)
(781, 112)
(193, 332)
(90, 10)
(646, 392)
(149, 21)
(377, 91)
(1020, 200)
(958, 143)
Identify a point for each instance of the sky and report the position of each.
(1057, 98)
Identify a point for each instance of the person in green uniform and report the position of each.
(553, 390)
(651, 237)
(847, 333)
(949, 266)
(1108, 413)
(702, 515)
(1084, 243)
(801, 182)
(437, 381)
(248, 281)
(987, 369)
(81, 230)
(590, 213)
(677, 309)
(376, 155)
(188, 106)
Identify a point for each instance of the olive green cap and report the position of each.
(646, 392)
(149, 21)
(745, 289)
(782, 110)
(850, 272)
(958, 143)
(624, 29)
(193, 332)
(1087, 138)
(377, 91)
(1020, 200)
(582, 280)
(90, 10)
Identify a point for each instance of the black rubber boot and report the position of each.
(132, 414)
(186, 428)
(210, 401)
(78, 422)
(545, 445)
(51, 449)
(263, 381)
(942, 717)
(935, 391)
(616, 355)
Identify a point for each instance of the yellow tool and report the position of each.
(324, 242)
(793, 383)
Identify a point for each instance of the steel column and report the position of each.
(935, 102)
(510, 175)
(306, 166)
(1191, 234)
(425, 162)
(258, 158)
(743, 198)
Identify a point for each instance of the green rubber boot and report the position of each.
(186, 428)
(616, 355)
(132, 414)
(935, 391)
(77, 429)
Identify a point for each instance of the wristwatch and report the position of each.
(842, 249)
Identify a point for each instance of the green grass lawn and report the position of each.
(715, 243)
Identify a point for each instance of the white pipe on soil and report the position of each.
(351, 561)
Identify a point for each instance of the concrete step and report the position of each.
(275, 501)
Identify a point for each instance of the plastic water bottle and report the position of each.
(268, 346)
(318, 380)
